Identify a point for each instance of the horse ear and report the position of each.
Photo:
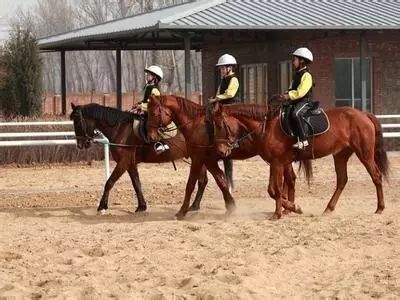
(73, 106)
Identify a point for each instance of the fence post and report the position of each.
(107, 160)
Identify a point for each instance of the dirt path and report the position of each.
(52, 243)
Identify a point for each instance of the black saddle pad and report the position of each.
(316, 119)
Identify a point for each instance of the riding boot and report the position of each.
(143, 129)
(209, 121)
(301, 133)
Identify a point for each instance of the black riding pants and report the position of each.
(299, 108)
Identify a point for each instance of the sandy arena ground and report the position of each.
(53, 245)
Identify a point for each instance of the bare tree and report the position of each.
(94, 71)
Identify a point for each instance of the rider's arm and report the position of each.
(155, 92)
(230, 91)
(303, 88)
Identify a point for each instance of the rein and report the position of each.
(235, 143)
(164, 130)
(92, 139)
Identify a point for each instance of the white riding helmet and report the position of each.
(226, 60)
(304, 53)
(156, 70)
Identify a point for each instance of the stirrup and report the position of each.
(301, 144)
(160, 147)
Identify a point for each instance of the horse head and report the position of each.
(84, 128)
(274, 105)
(159, 116)
(226, 131)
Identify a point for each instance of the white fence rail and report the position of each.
(45, 142)
(392, 134)
(104, 140)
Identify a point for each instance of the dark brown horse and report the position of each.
(126, 148)
(351, 131)
(190, 118)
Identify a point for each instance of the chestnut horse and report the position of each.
(126, 148)
(351, 131)
(190, 118)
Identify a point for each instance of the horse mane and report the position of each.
(110, 115)
(191, 108)
(254, 111)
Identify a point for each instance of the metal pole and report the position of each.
(119, 79)
(106, 161)
(63, 85)
(188, 83)
(363, 71)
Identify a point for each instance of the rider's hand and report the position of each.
(285, 96)
(212, 100)
(136, 108)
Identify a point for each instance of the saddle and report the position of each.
(140, 130)
(315, 118)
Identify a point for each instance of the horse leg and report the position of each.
(368, 160)
(115, 175)
(340, 160)
(201, 186)
(195, 170)
(134, 175)
(228, 170)
(289, 184)
(220, 179)
(275, 190)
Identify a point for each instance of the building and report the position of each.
(356, 45)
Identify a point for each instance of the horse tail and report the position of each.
(228, 167)
(306, 167)
(380, 157)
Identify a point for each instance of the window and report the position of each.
(348, 83)
(254, 83)
(286, 74)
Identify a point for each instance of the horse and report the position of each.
(127, 149)
(190, 119)
(351, 131)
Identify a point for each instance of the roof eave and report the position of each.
(311, 27)
(92, 38)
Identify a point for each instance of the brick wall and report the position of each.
(52, 103)
(252, 47)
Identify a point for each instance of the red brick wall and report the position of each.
(52, 103)
(383, 47)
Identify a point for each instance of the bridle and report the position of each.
(161, 129)
(233, 141)
(83, 126)
(230, 139)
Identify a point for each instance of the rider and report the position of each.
(228, 90)
(154, 74)
(300, 92)
(227, 93)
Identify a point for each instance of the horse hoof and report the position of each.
(298, 210)
(230, 206)
(194, 208)
(379, 211)
(286, 211)
(180, 216)
(327, 212)
(140, 209)
(275, 217)
(230, 210)
(102, 212)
